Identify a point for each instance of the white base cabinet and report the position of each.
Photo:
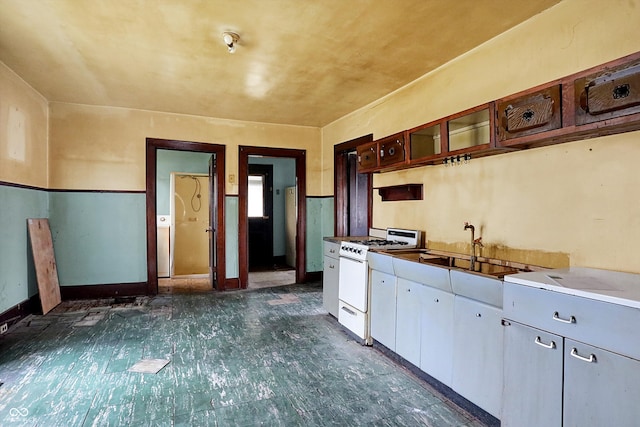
(601, 388)
(554, 378)
(436, 334)
(383, 308)
(477, 353)
(408, 303)
(330, 276)
(532, 395)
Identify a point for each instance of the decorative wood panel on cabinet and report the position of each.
(529, 114)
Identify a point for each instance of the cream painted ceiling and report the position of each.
(299, 62)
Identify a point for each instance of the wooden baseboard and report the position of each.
(103, 291)
(21, 310)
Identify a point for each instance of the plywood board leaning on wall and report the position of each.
(45, 261)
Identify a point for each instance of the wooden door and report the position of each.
(260, 217)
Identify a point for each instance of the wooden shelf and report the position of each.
(401, 192)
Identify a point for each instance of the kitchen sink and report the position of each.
(492, 267)
(487, 266)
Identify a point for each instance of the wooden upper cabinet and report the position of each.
(530, 113)
(607, 94)
(602, 100)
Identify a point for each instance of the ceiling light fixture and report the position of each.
(230, 39)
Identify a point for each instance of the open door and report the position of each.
(260, 217)
(212, 230)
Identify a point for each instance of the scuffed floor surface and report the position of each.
(266, 357)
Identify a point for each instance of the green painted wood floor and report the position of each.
(266, 357)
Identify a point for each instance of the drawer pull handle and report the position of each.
(332, 266)
(333, 251)
(351, 312)
(590, 359)
(551, 344)
(571, 319)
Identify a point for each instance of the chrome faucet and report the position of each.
(474, 242)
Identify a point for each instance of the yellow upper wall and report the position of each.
(575, 201)
(23, 131)
(103, 148)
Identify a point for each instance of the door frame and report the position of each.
(243, 224)
(340, 184)
(152, 146)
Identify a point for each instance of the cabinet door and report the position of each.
(367, 156)
(383, 308)
(436, 343)
(392, 151)
(408, 320)
(601, 388)
(532, 391)
(330, 275)
(477, 353)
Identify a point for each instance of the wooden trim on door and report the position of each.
(243, 225)
(340, 184)
(153, 145)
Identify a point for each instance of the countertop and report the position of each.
(603, 285)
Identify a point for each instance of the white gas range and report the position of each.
(353, 283)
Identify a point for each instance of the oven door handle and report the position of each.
(351, 312)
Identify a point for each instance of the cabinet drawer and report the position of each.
(530, 114)
(353, 319)
(603, 324)
(608, 94)
(331, 249)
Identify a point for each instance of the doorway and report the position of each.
(189, 213)
(260, 217)
(247, 244)
(216, 224)
(352, 190)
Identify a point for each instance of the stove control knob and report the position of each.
(359, 251)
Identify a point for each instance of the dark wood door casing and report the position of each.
(152, 145)
(301, 224)
(341, 183)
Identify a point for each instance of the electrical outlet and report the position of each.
(3, 328)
